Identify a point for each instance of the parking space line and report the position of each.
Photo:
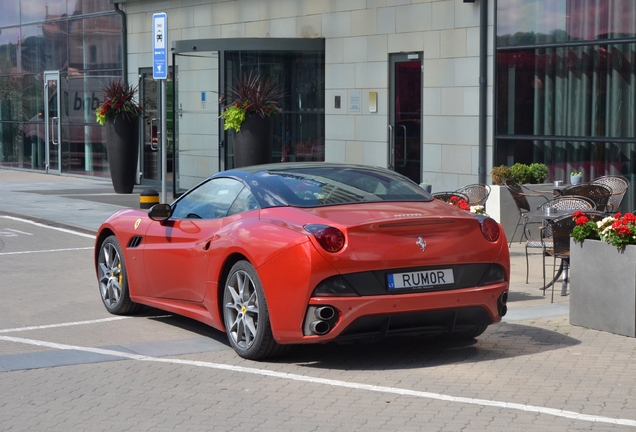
(64, 230)
(334, 383)
(48, 250)
(68, 324)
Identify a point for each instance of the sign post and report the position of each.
(160, 72)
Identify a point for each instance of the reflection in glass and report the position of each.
(9, 39)
(523, 22)
(11, 99)
(583, 91)
(10, 13)
(78, 7)
(44, 46)
(95, 43)
(41, 10)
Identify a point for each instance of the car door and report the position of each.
(177, 250)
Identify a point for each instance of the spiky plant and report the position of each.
(120, 99)
(252, 95)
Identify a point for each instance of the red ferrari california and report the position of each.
(307, 253)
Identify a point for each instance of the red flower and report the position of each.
(103, 111)
(117, 106)
(629, 218)
(453, 199)
(582, 220)
(623, 231)
(578, 213)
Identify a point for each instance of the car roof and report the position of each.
(266, 183)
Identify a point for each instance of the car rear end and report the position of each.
(407, 268)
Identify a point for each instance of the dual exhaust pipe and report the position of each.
(322, 320)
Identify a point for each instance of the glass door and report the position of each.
(150, 97)
(405, 115)
(52, 121)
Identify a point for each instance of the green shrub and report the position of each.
(499, 174)
(538, 173)
(520, 173)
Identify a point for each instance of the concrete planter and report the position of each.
(603, 287)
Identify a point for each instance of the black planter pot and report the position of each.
(122, 143)
(253, 144)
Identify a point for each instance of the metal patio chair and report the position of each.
(477, 194)
(544, 240)
(618, 186)
(598, 193)
(561, 229)
(447, 195)
(520, 196)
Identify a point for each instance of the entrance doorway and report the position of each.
(405, 115)
(52, 124)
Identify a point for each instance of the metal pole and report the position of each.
(483, 88)
(164, 147)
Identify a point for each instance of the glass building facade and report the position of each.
(55, 55)
(566, 87)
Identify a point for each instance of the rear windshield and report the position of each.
(316, 186)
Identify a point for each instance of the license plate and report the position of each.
(421, 279)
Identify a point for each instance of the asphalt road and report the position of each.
(66, 364)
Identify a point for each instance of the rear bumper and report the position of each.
(373, 317)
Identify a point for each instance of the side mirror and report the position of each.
(160, 212)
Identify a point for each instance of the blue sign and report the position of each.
(159, 41)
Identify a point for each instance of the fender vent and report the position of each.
(134, 242)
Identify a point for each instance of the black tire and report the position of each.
(113, 279)
(468, 334)
(246, 315)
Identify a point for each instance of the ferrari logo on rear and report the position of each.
(421, 243)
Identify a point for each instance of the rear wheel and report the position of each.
(113, 280)
(246, 316)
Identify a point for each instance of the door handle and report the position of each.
(391, 155)
(55, 139)
(404, 140)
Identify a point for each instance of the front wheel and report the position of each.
(113, 280)
(246, 316)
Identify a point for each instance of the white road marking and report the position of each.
(47, 250)
(68, 324)
(68, 231)
(13, 232)
(334, 383)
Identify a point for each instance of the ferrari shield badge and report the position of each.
(137, 223)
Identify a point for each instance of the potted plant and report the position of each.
(120, 114)
(576, 177)
(603, 273)
(255, 101)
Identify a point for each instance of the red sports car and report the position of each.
(307, 253)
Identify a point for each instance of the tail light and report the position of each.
(330, 238)
(490, 229)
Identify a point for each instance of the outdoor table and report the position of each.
(554, 213)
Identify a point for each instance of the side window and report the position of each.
(211, 200)
(244, 202)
